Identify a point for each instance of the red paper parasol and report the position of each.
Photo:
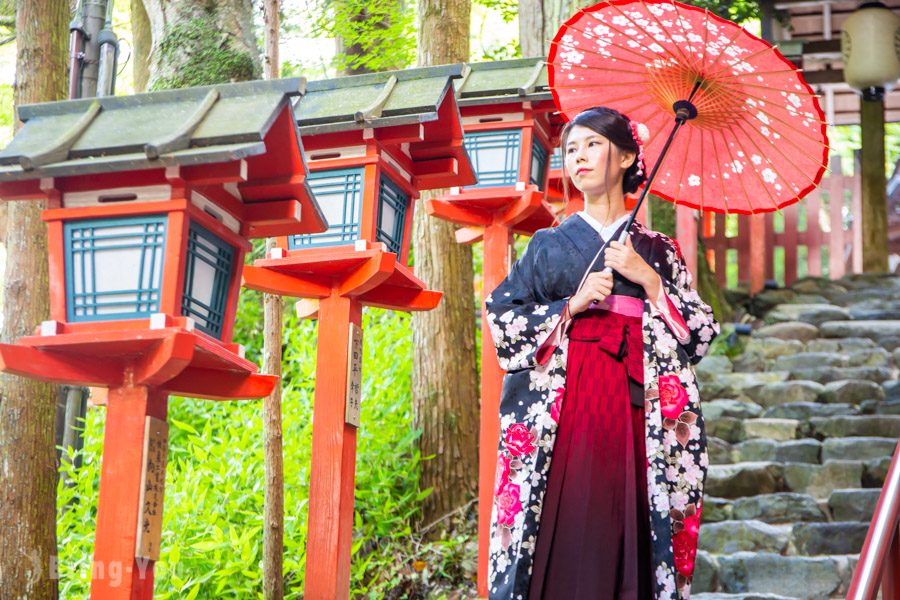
(755, 139)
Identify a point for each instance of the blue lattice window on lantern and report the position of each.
(392, 203)
(207, 278)
(339, 194)
(495, 156)
(538, 164)
(556, 159)
(114, 267)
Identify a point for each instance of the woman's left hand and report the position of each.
(629, 264)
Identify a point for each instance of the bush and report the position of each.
(212, 524)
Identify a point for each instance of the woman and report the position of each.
(600, 380)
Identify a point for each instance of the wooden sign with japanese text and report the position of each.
(153, 481)
(354, 376)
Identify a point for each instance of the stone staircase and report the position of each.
(801, 428)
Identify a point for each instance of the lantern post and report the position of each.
(151, 202)
(871, 67)
(373, 141)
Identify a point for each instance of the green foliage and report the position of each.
(212, 540)
(208, 61)
(377, 35)
(508, 9)
(738, 11)
(7, 114)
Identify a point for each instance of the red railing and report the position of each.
(880, 555)
(829, 219)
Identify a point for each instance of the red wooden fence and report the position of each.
(820, 235)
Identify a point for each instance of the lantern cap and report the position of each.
(375, 100)
(190, 126)
(495, 82)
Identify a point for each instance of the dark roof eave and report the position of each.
(295, 86)
(137, 162)
(326, 126)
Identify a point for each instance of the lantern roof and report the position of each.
(236, 144)
(412, 111)
(375, 100)
(190, 126)
(504, 81)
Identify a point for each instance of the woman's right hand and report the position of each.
(596, 288)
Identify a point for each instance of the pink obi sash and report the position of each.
(626, 306)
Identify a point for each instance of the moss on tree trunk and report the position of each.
(201, 43)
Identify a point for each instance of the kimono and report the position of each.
(522, 313)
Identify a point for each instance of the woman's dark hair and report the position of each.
(615, 127)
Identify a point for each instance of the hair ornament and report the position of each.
(641, 134)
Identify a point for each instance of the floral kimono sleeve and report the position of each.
(522, 312)
(702, 326)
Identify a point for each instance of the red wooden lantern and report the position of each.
(151, 201)
(510, 129)
(373, 142)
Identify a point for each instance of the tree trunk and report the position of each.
(273, 518)
(141, 41)
(539, 20)
(28, 468)
(201, 43)
(445, 380)
(273, 314)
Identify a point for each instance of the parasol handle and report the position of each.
(684, 111)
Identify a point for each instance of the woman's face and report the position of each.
(586, 161)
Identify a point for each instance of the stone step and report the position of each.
(762, 449)
(851, 391)
(783, 392)
(847, 344)
(809, 360)
(806, 577)
(727, 407)
(814, 314)
(804, 411)
(885, 333)
(853, 504)
(819, 481)
(880, 407)
(733, 385)
(793, 539)
(825, 375)
(771, 429)
(728, 537)
(718, 449)
(814, 539)
(852, 426)
(793, 330)
(746, 479)
(778, 508)
(858, 448)
(891, 390)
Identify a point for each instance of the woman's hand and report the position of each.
(629, 264)
(596, 288)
